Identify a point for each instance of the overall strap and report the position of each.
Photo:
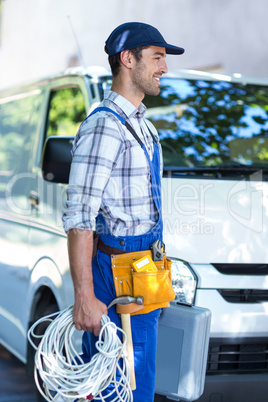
(124, 122)
(107, 109)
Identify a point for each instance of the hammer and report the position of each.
(125, 305)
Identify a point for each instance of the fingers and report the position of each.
(96, 330)
(82, 324)
(88, 317)
(78, 326)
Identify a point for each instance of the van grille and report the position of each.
(243, 357)
(242, 269)
(244, 295)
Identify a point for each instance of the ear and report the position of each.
(126, 58)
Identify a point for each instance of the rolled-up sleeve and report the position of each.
(97, 147)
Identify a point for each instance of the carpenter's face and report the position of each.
(149, 70)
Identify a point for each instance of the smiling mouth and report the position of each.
(157, 79)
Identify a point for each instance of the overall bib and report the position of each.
(144, 326)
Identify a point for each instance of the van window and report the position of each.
(66, 112)
(19, 117)
(211, 123)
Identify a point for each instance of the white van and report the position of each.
(214, 135)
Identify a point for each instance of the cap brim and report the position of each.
(170, 49)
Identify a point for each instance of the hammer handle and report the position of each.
(126, 326)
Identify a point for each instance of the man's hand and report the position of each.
(87, 314)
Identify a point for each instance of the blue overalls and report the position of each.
(144, 326)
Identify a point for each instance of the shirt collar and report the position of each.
(127, 107)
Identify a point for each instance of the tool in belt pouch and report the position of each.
(155, 287)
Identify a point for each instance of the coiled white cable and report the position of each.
(64, 374)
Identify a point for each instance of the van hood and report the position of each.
(216, 221)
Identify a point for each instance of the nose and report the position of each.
(163, 67)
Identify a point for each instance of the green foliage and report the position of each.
(210, 123)
(67, 111)
(20, 119)
(18, 125)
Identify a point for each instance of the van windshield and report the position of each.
(211, 124)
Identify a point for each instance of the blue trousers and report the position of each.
(144, 331)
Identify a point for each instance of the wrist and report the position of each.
(85, 290)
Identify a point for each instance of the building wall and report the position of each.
(39, 37)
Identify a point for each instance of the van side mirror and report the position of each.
(56, 159)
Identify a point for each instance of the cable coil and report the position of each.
(66, 377)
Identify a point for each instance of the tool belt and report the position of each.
(155, 287)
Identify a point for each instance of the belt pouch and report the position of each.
(155, 287)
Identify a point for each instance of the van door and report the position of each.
(66, 110)
(19, 123)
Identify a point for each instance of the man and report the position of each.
(115, 181)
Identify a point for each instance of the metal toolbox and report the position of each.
(183, 338)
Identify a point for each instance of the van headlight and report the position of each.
(184, 282)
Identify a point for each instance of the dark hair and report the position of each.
(115, 61)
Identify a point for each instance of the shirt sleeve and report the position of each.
(97, 147)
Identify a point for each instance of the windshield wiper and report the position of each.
(221, 167)
(230, 169)
(235, 165)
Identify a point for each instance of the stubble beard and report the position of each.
(142, 83)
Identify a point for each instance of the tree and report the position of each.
(210, 122)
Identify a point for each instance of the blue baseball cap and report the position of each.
(133, 34)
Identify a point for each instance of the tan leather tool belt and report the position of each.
(155, 287)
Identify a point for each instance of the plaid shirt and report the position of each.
(110, 172)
